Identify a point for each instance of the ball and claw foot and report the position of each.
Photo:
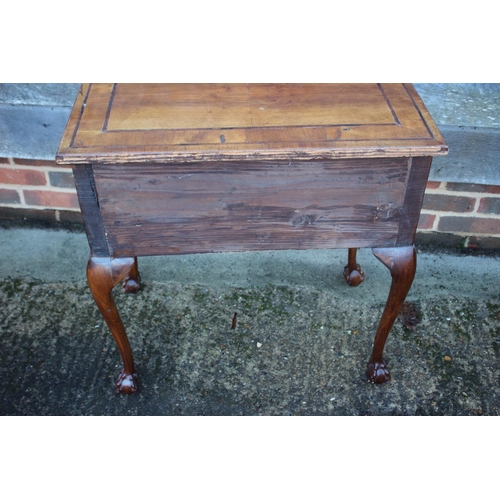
(378, 373)
(126, 384)
(354, 277)
(131, 285)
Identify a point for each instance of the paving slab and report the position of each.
(31, 132)
(39, 94)
(473, 157)
(465, 104)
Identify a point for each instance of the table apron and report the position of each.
(161, 209)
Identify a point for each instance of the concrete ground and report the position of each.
(300, 346)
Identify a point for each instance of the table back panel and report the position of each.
(242, 206)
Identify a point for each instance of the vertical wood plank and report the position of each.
(89, 204)
(417, 181)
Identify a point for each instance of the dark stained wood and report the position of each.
(132, 280)
(414, 197)
(402, 263)
(89, 205)
(353, 274)
(178, 209)
(123, 123)
(103, 274)
(189, 168)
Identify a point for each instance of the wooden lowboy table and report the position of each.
(178, 169)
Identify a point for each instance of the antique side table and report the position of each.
(188, 168)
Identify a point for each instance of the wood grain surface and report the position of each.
(89, 206)
(196, 208)
(124, 123)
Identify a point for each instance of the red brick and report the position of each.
(469, 225)
(426, 221)
(489, 206)
(28, 214)
(9, 196)
(51, 199)
(4, 161)
(46, 215)
(485, 243)
(446, 240)
(62, 179)
(475, 188)
(67, 216)
(448, 203)
(433, 184)
(35, 163)
(23, 177)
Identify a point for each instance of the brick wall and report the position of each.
(470, 212)
(37, 190)
(454, 214)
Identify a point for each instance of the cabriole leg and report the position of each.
(132, 281)
(402, 263)
(352, 272)
(103, 274)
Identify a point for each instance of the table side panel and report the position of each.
(160, 209)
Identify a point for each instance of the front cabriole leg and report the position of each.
(103, 274)
(402, 263)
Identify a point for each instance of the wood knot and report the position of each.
(301, 220)
(386, 212)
